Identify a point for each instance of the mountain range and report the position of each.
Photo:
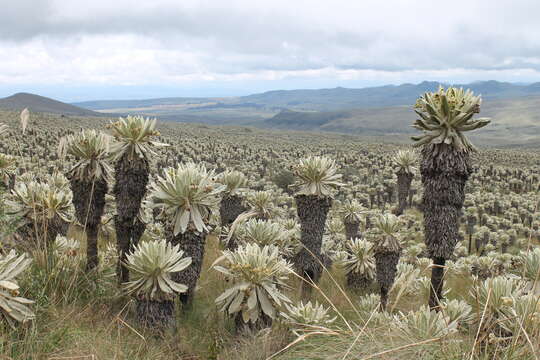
(324, 99)
(384, 112)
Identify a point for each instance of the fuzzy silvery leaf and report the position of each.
(359, 257)
(234, 181)
(186, 197)
(90, 149)
(303, 317)
(260, 204)
(12, 307)
(445, 115)
(266, 232)
(386, 233)
(492, 293)
(151, 265)
(406, 160)
(3, 129)
(531, 265)
(317, 175)
(521, 315)
(424, 324)
(133, 136)
(457, 311)
(258, 274)
(351, 211)
(25, 117)
(38, 202)
(7, 166)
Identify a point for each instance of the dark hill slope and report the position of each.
(298, 120)
(36, 103)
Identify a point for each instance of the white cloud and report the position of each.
(170, 42)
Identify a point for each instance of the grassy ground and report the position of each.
(82, 317)
(86, 317)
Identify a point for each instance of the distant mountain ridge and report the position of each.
(113, 104)
(36, 103)
(514, 121)
(383, 112)
(328, 99)
(383, 96)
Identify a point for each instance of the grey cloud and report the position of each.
(232, 39)
(23, 19)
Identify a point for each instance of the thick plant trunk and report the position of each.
(478, 244)
(444, 174)
(91, 247)
(437, 282)
(312, 212)
(88, 200)
(358, 281)
(89, 203)
(157, 315)
(263, 322)
(127, 237)
(139, 227)
(445, 171)
(39, 234)
(512, 240)
(411, 195)
(351, 229)
(441, 221)
(123, 247)
(55, 227)
(471, 221)
(404, 180)
(232, 245)
(129, 190)
(327, 261)
(384, 297)
(371, 200)
(24, 238)
(229, 209)
(130, 186)
(63, 227)
(192, 243)
(11, 181)
(386, 265)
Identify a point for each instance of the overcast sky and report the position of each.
(82, 49)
